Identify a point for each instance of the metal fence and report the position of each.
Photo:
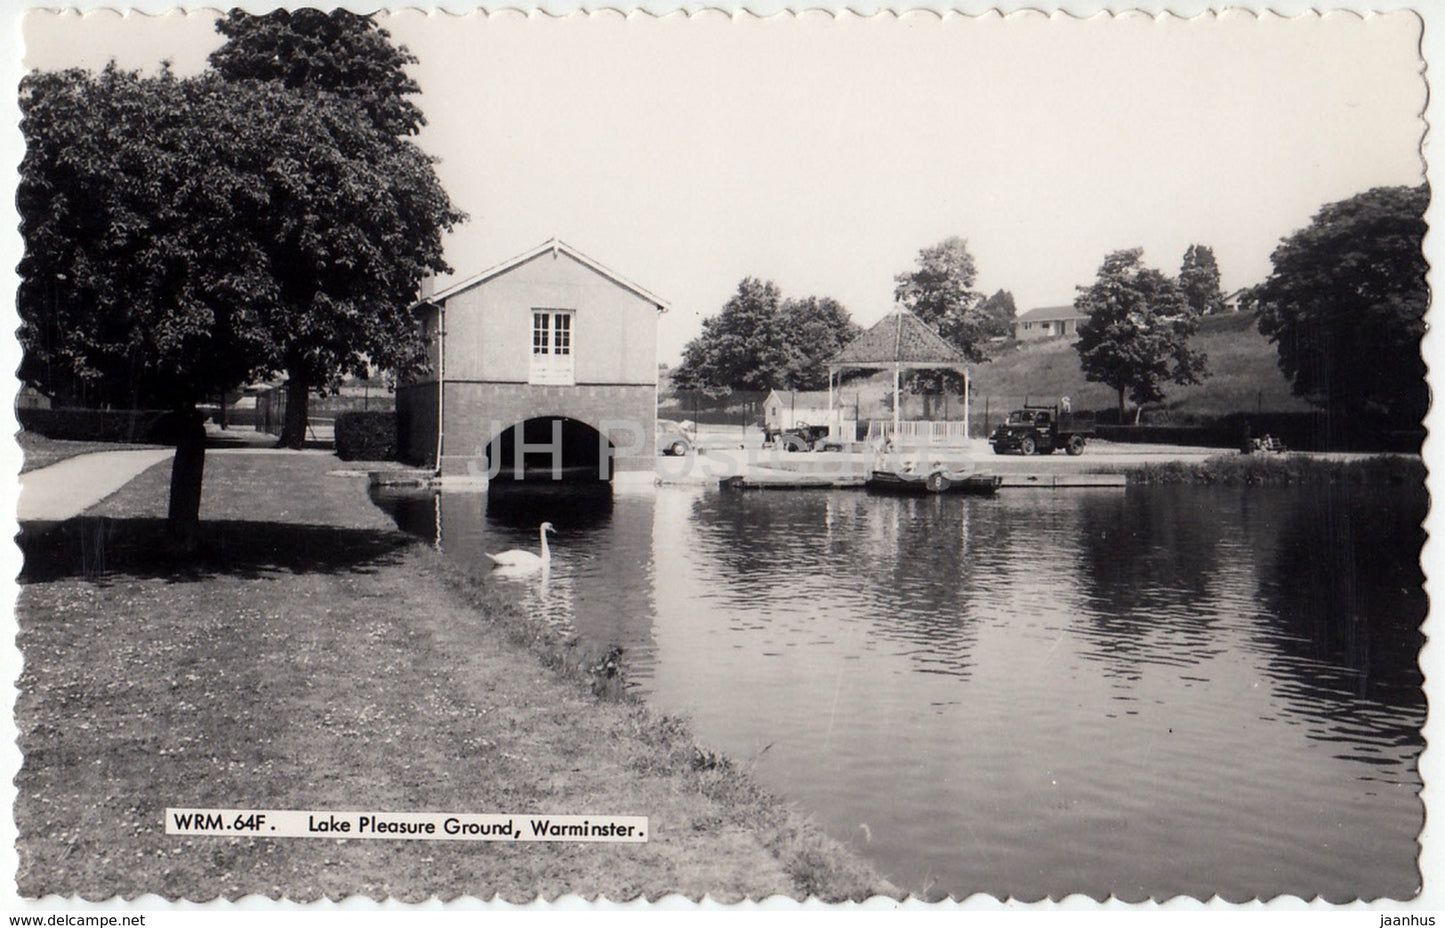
(270, 414)
(741, 408)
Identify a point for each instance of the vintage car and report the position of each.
(674, 438)
(801, 437)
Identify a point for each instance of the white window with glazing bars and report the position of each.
(552, 347)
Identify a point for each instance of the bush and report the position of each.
(366, 436)
(1273, 470)
(1300, 431)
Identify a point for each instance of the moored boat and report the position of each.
(933, 481)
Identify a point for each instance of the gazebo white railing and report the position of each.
(919, 431)
(901, 341)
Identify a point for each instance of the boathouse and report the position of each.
(541, 368)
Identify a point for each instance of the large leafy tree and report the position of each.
(1199, 280)
(1345, 305)
(998, 313)
(740, 348)
(813, 330)
(140, 284)
(357, 217)
(1136, 337)
(337, 51)
(759, 341)
(184, 236)
(940, 292)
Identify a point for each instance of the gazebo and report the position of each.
(901, 341)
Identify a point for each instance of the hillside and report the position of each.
(1243, 366)
(1244, 375)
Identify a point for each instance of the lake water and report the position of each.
(1142, 692)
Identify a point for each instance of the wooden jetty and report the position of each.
(402, 477)
(760, 478)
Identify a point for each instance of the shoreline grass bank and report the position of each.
(317, 658)
(1283, 470)
(37, 451)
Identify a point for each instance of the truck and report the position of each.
(1043, 430)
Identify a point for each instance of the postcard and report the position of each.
(712, 457)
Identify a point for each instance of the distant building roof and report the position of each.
(555, 246)
(1051, 314)
(899, 338)
(804, 398)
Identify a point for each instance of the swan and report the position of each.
(518, 559)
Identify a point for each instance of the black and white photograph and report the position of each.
(720, 459)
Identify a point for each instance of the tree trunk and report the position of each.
(293, 429)
(183, 521)
(1121, 407)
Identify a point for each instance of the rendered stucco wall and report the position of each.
(489, 327)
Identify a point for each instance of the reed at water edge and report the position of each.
(1284, 470)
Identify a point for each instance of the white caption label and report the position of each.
(427, 826)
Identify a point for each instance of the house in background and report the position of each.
(544, 365)
(1048, 322)
(785, 409)
(1234, 300)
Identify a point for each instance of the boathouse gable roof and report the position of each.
(553, 247)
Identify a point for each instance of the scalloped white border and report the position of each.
(1431, 900)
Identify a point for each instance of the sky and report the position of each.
(822, 152)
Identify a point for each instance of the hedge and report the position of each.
(336, 405)
(1307, 431)
(130, 425)
(366, 436)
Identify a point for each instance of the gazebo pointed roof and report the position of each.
(899, 338)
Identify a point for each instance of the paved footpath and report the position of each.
(68, 488)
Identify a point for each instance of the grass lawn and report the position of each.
(1244, 376)
(40, 451)
(316, 658)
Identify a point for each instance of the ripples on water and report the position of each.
(1142, 693)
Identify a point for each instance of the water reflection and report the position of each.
(1146, 565)
(599, 584)
(900, 565)
(570, 507)
(1342, 589)
(1142, 693)
(1343, 604)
